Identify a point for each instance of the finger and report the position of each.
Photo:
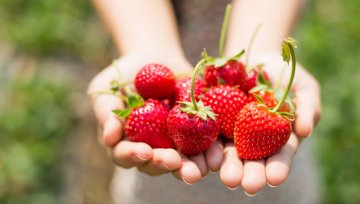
(104, 103)
(254, 178)
(112, 125)
(231, 171)
(188, 172)
(278, 165)
(214, 155)
(200, 161)
(112, 132)
(129, 154)
(308, 108)
(163, 161)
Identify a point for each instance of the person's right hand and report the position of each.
(129, 154)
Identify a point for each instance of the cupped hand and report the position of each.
(253, 175)
(129, 154)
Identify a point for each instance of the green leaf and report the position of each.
(287, 115)
(211, 115)
(258, 98)
(238, 55)
(202, 115)
(122, 113)
(219, 62)
(210, 61)
(262, 80)
(135, 100)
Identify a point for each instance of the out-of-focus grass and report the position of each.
(45, 27)
(329, 36)
(35, 120)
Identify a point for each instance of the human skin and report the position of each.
(144, 36)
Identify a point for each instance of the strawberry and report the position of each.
(193, 126)
(148, 124)
(191, 133)
(155, 81)
(261, 131)
(254, 76)
(182, 89)
(225, 101)
(232, 73)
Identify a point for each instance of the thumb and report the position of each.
(103, 105)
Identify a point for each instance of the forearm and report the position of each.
(141, 27)
(276, 17)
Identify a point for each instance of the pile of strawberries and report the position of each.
(226, 101)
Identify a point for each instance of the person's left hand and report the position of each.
(253, 175)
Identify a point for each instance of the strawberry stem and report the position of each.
(252, 39)
(288, 51)
(197, 68)
(224, 29)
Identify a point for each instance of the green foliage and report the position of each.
(47, 27)
(35, 119)
(329, 38)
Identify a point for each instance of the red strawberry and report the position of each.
(191, 133)
(232, 73)
(182, 89)
(253, 78)
(226, 101)
(260, 133)
(148, 124)
(155, 81)
(191, 125)
(268, 99)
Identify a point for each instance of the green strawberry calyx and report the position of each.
(132, 101)
(194, 107)
(288, 54)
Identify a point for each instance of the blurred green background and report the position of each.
(40, 109)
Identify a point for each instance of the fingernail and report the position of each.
(271, 185)
(250, 195)
(190, 184)
(232, 189)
